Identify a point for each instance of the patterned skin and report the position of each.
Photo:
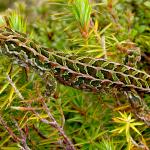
(84, 73)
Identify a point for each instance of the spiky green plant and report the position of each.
(127, 123)
(17, 22)
(82, 11)
(86, 118)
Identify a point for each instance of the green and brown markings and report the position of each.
(84, 73)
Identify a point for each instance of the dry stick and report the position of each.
(15, 88)
(102, 42)
(99, 39)
(142, 146)
(23, 137)
(66, 139)
(104, 46)
(46, 121)
(69, 145)
(15, 138)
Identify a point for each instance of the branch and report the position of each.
(67, 142)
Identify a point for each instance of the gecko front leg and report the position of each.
(50, 83)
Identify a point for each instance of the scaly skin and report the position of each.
(84, 73)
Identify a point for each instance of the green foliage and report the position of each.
(2, 22)
(82, 13)
(106, 27)
(127, 123)
(107, 145)
(17, 22)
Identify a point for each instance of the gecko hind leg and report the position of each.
(140, 109)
